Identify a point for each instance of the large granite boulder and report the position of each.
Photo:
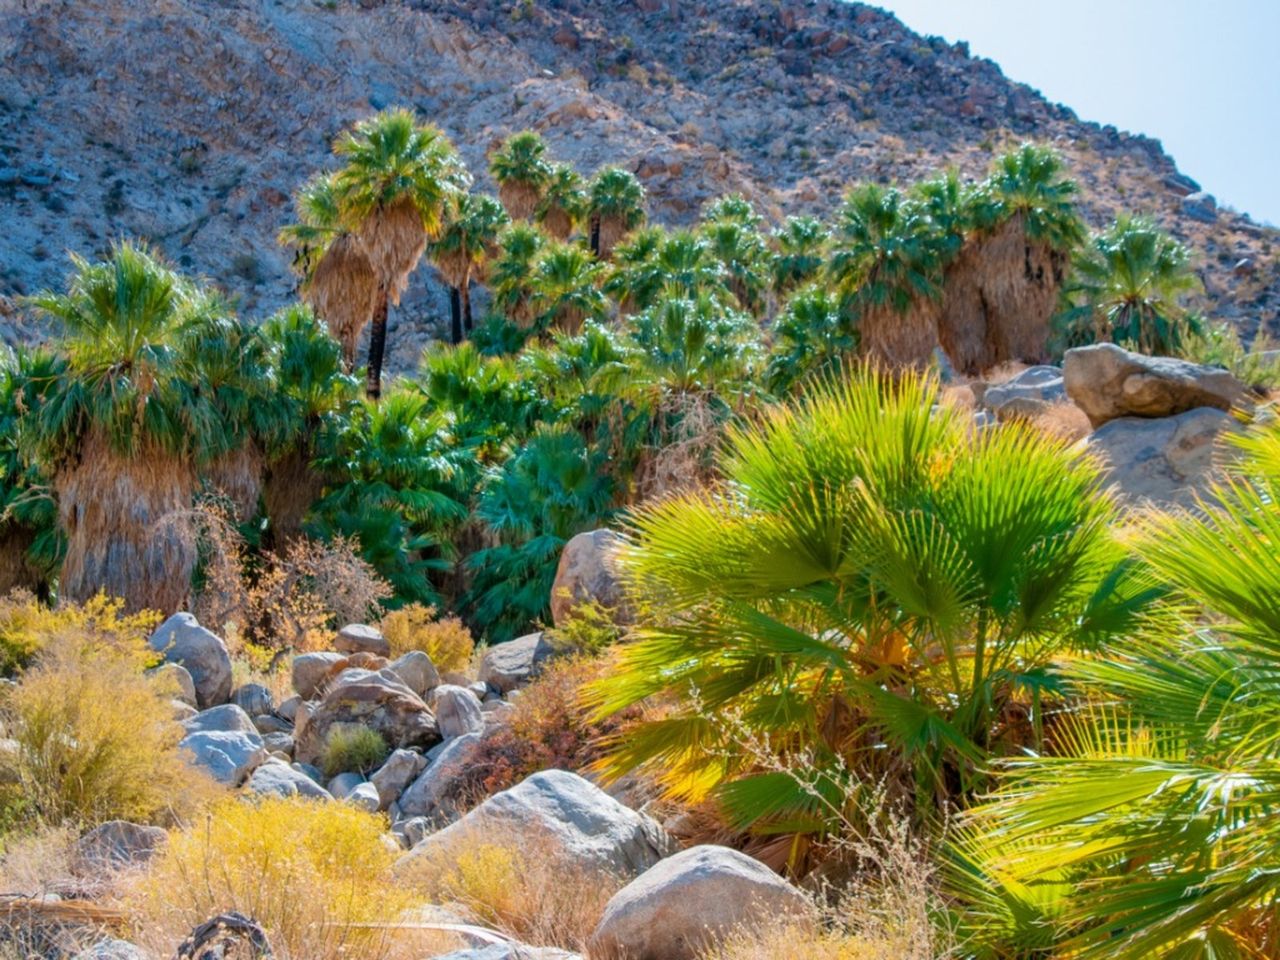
(685, 904)
(310, 670)
(396, 773)
(275, 778)
(457, 711)
(229, 756)
(1170, 461)
(436, 791)
(117, 844)
(1042, 383)
(417, 671)
(1108, 382)
(506, 666)
(586, 572)
(227, 718)
(380, 701)
(362, 638)
(202, 653)
(575, 819)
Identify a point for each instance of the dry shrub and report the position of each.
(685, 461)
(958, 397)
(28, 627)
(95, 738)
(274, 602)
(37, 862)
(317, 876)
(1064, 420)
(548, 728)
(521, 884)
(899, 339)
(446, 641)
(344, 292)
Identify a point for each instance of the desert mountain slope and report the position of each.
(190, 122)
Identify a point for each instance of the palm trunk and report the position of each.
(455, 315)
(467, 322)
(377, 348)
(595, 236)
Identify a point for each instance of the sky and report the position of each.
(1202, 76)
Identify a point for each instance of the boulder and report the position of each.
(202, 653)
(288, 710)
(586, 572)
(227, 718)
(1044, 383)
(254, 699)
(228, 756)
(281, 743)
(310, 670)
(457, 711)
(434, 793)
(111, 950)
(364, 797)
(1170, 461)
(1108, 383)
(342, 785)
(509, 951)
(578, 821)
(269, 723)
(362, 638)
(682, 906)
(417, 671)
(179, 680)
(397, 772)
(377, 700)
(506, 666)
(116, 844)
(278, 779)
(1200, 206)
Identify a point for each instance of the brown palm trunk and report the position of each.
(455, 315)
(123, 519)
(595, 235)
(467, 323)
(377, 348)
(291, 487)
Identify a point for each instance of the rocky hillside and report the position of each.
(190, 122)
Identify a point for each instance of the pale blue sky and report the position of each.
(1202, 76)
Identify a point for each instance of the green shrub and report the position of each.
(353, 749)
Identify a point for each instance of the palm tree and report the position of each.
(470, 231)
(30, 546)
(695, 344)
(563, 203)
(1127, 288)
(566, 288)
(126, 426)
(522, 171)
(799, 253)
(812, 338)
(654, 264)
(886, 263)
(308, 376)
(511, 273)
(1149, 831)
(615, 207)
(391, 192)
(874, 593)
(741, 248)
(338, 278)
(1002, 290)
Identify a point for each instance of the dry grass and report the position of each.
(237, 476)
(1064, 420)
(317, 876)
(900, 339)
(446, 641)
(519, 884)
(520, 199)
(684, 462)
(394, 239)
(343, 290)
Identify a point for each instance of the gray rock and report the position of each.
(434, 793)
(1108, 382)
(179, 679)
(412, 830)
(182, 711)
(111, 950)
(1200, 206)
(227, 718)
(586, 573)
(417, 672)
(309, 671)
(267, 723)
(362, 638)
(309, 770)
(278, 743)
(342, 785)
(577, 820)
(379, 701)
(1044, 383)
(509, 951)
(253, 698)
(457, 711)
(397, 772)
(228, 756)
(289, 709)
(116, 844)
(364, 797)
(480, 689)
(506, 666)
(1170, 461)
(282, 780)
(183, 641)
(688, 902)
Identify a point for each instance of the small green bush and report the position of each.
(353, 750)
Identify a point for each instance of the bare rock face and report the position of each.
(377, 700)
(1169, 461)
(202, 653)
(685, 904)
(1108, 382)
(585, 573)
